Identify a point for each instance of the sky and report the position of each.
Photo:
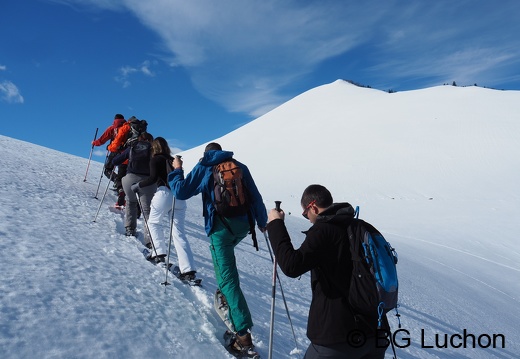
(449, 205)
(196, 70)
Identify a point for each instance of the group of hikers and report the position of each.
(150, 182)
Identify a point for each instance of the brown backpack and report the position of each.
(230, 194)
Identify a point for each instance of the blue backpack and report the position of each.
(374, 285)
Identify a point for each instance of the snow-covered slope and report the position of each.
(436, 170)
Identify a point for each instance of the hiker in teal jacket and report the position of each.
(224, 233)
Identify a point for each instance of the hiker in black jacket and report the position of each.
(333, 330)
(138, 156)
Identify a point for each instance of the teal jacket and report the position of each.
(200, 180)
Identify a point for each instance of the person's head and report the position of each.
(213, 146)
(160, 146)
(145, 136)
(119, 120)
(315, 198)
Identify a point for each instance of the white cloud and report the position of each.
(10, 93)
(3, 67)
(242, 54)
(246, 54)
(126, 71)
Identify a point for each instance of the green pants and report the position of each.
(222, 249)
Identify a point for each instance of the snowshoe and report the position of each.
(130, 232)
(222, 309)
(117, 209)
(154, 260)
(187, 278)
(240, 347)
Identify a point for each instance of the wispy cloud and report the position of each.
(3, 67)
(126, 72)
(245, 55)
(437, 42)
(10, 93)
(99, 153)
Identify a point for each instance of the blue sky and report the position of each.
(196, 70)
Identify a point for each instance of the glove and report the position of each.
(135, 187)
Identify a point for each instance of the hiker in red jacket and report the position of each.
(111, 132)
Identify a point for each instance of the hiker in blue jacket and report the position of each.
(224, 233)
(334, 330)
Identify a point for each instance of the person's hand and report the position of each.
(135, 187)
(274, 214)
(177, 163)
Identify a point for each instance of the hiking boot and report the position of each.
(130, 232)
(222, 299)
(121, 199)
(188, 275)
(243, 343)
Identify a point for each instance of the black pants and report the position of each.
(346, 351)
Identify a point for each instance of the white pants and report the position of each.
(160, 208)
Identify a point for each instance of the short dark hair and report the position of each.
(118, 116)
(318, 193)
(213, 146)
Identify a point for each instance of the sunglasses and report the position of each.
(306, 210)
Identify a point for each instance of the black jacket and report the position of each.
(326, 253)
(158, 173)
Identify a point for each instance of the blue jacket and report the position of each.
(200, 180)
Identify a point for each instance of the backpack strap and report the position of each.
(250, 217)
(252, 230)
(168, 170)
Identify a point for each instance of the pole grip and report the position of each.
(277, 204)
(95, 135)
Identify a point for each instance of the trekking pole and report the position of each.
(273, 298)
(146, 223)
(280, 284)
(165, 283)
(273, 291)
(90, 156)
(100, 178)
(102, 199)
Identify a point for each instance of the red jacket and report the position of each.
(110, 133)
(120, 139)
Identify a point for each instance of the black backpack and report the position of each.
(137, 127)
(139, 157)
